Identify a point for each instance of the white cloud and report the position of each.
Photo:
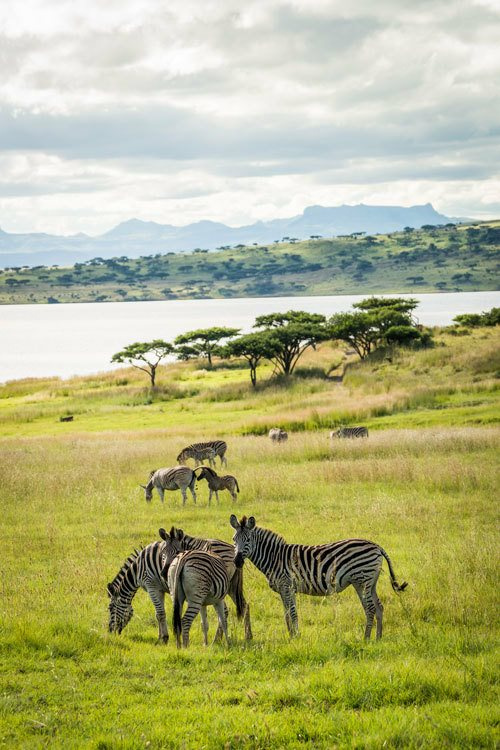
(191, 109)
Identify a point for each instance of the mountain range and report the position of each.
(134, 237)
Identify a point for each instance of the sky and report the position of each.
(186, 110)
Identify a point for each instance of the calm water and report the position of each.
(65, 340)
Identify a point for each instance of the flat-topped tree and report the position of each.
(254, 347)
(206, 341)
(295, 331)
(148, 354)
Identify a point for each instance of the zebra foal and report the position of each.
(176, 478)
(200, 578)
(202, 451)
(349, 432)
(216, 483)
(317, 570)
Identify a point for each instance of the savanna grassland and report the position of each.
(424, 486)
(450, 258)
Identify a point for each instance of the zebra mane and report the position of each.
(131, 559)
(269, 533)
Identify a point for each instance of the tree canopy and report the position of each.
(149, 354)
(205, 341)
(254, 347)
(295, 331)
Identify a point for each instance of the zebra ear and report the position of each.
(163, 534)
(251, 523)
(180, 535)
(234, 521)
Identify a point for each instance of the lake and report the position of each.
(79, 339)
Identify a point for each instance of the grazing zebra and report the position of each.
(201, 451)
(278, 435)
(224, 550)
(350, 432)
(201, 578)
(216, 483)
(142, 569)
(316, 570)
(177, 478)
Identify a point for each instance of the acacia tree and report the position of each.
(295, 331)
(205, 341)
(253, 347)
(149, 354)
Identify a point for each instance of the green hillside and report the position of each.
(450, 258)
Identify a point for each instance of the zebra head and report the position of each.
(243, 538)
(171, 547)
(148, 488)
(120, 610)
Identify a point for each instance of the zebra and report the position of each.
(177, 478)
(211, 449)
(141, 569)
(201, 578)
(216, 483)
(317, 570)
(224, 550)
(350, 432)
(277, 435)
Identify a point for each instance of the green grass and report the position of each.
(465, 258)
(423, 486)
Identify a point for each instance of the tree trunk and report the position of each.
(152, 375)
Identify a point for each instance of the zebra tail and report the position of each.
(240, 599)
(398, 587)
(176, 617)
(237, 485)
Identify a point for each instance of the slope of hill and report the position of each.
(134, 237)
(463, 258)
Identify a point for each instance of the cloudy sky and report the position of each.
(237, 111)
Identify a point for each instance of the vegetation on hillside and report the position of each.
(450, 258)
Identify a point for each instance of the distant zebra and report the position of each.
(224, 550)
(350, 432)
(142, 569)
(317, 570)
(202, 451)
(216, 483)
(201, 578)
(177, 478)
(277, 435)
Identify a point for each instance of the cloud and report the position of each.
(217, 99)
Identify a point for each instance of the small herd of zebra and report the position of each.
(204, 571)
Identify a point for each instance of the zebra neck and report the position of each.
(128, 583)
(269, 553)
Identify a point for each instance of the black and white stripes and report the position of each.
(201, 451)
(317, 570)
(350, 432)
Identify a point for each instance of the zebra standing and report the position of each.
(224, 550)
(350, 432)
(142, 569)
(208, 450)
(177, 478)
(201, 578)
(216, 483)
(317, 570)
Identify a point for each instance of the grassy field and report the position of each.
(423, 485)
(463, 258)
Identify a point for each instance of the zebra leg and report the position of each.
(191, 489)
(204, 624)
(161, 493)
(366, 599)
(288, 598)
(223, 460)
(184, 496)
(210, 496)
(220, 632)
(158, 599)
(217, 496)
(187, 621)
(379, 611)
(221, 610)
